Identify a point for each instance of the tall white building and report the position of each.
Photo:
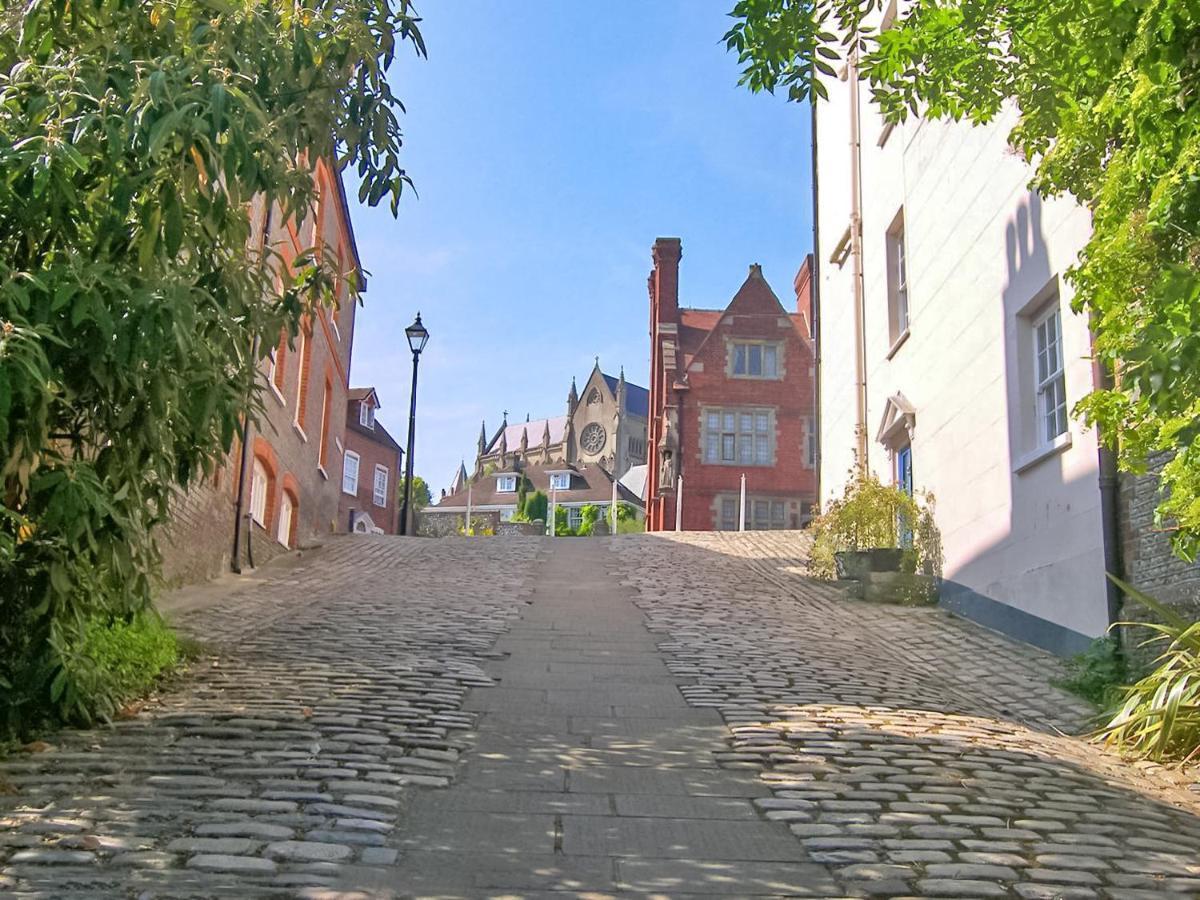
(951, 359)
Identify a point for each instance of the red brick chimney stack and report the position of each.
(664, 280)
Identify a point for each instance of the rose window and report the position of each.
(593, 438)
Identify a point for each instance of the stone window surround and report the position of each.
(731, 342)
(787, 506)
(772, 432)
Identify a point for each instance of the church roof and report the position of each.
(637, 398)
(535, 430)
(589, 484)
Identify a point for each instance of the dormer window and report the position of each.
(506, 484)
(560, 481)
(366, 415)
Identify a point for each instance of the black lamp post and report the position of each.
(417, 338)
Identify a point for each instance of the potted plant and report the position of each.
(875, 529)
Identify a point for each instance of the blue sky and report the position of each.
(551, 142)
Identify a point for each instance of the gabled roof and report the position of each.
(362, 393)
(753, 298)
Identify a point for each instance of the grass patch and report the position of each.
(1097, 674)
(112, 661)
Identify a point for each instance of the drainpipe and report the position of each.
(235, 561)
(815, 287)
(1110, 519)
(856, 252)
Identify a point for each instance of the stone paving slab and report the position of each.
(632, 775)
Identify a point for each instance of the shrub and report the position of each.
(1159, 715)
(561, 526)
(590, 514)
(869, 515)
(1097, 674)
(112, 661)
(536, 505)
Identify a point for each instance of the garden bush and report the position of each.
(870, 515)
(1098, 673)
(1158, 716)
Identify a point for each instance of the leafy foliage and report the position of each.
(536, 507)
(1107, 98)
(141, 146)
(1159, 715)
(870, 515)
(421, 495)
(1098, 673)
(112, 662)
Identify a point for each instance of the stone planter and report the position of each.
(858, 564)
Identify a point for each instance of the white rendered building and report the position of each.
(950, 358)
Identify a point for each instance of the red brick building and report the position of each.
(732, 392)
(293, 461)
(370, 470)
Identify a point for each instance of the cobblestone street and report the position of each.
(674, 716)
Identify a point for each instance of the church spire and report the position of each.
(572, 397)
(482, 436)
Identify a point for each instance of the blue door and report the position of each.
(904, 481)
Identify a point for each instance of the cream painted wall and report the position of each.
(980, 250)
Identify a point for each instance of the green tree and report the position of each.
(421, 495)
(537, 506)
(140, 143)
(1107, 98)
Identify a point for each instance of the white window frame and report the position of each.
(260, 481)
(352, 480)
(366, 415)
(1050, 386)
(300, 378)
(560, 481)
(506, 484)
(379, 493)
(743, 352)
(283, 529)
(899, 311)
(574, 516)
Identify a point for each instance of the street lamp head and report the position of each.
(418, 336)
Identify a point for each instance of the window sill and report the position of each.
(898, 343)
(379, 505)
(321, 471)
(353, 493)
(738, 377)
(1055, 447)
(275, 390)
(300, 431)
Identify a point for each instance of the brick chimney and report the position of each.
(664, 279)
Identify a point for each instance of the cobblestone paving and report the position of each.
(284, 759)
(909, 753)
(913, 753)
